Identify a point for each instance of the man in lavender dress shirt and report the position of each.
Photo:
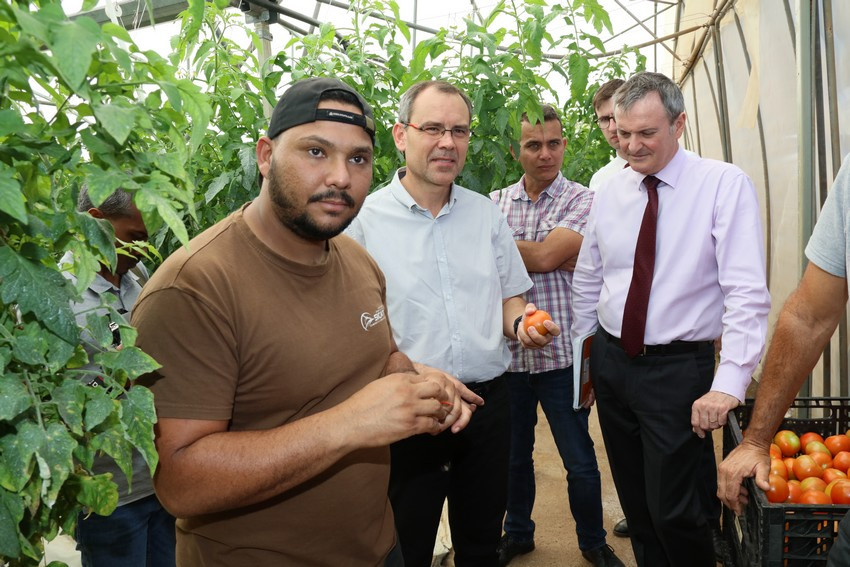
(656, 408)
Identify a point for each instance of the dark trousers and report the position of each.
(469, 468)
(554, 392)
(138, 534)
(656, 459)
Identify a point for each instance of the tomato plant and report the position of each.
(788, 442)
(536, 320)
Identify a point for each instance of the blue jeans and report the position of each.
(138, 534)
(554, 391)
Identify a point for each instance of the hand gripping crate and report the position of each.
(785, 535)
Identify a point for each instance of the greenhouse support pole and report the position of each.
(805, 148)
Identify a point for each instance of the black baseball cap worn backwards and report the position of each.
(299, 105)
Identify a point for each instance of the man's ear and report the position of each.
(400, 137)
(513, 153)
(265, 149)
(96, 213)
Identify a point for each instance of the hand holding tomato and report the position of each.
(528, 332)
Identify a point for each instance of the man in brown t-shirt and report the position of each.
(272, 334)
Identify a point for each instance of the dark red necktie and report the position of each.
(634, 314)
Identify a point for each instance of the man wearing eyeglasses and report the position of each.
(603, 106)
(454, 285)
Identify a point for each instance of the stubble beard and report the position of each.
(296, 218)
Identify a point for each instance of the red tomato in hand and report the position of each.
(536, 320)
(788, 442)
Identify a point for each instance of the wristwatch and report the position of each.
(517, 321)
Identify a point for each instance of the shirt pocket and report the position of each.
(543, 229)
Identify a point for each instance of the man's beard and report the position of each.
(300, 222)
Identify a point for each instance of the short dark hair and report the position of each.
(549, 113)
(405, 105)
(119, 204)
(605, 92)
(642, 84)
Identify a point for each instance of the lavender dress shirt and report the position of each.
(709, 278)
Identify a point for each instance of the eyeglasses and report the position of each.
(604, 121)
(434, 131)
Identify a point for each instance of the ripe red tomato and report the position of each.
(841, 461)
(775, 453)
(831, 474)
(788, 442)
(805, 467)
(814, 497)
(823, 459)
(789, 464)
(837, 443)
(794, 491)
(536, 320)
(808, 437)
(778, 468)
(840, 493)
(812, 483)
(778, 491)
(816, 447)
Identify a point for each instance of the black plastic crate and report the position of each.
(786, 535)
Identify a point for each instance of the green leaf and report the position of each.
(38, 290)
(217, 185)
(579, 69)
(97, 325)
(11, 514)
(70, 398)
(30, 349)
(112, 441)
(10, 122)
(12, 200)
(58, 352)
(74, 44)
(171, 164)
(56, 453)
(138, 416)
(147, 199)
(18, 450)
(14, 397)
(98, 493)
(31, 24)
(116, 31)
(98, 407)
(131, 360)
(117, 120)
(98, 233)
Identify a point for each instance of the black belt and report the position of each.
(676, 347)
(483, 388)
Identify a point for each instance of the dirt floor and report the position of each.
(555, 537)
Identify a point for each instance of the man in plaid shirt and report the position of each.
(547, 214)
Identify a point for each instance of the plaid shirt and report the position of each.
(563, 204)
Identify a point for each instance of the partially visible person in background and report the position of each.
(603, 106)
(547, 214)
(140, 532)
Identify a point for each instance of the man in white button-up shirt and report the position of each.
(454, 285)
(657, 407)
